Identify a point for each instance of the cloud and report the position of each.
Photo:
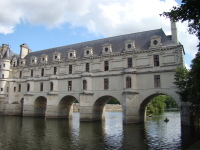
(102, 17)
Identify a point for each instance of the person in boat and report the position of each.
(166, 119)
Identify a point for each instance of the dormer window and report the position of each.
(56, 56)
(33, 60)
(129, 45)
(22, 62)
(88, 51)
(44, 58)
(14, 62)
(71, 54)
(155, 41)
(106, 48)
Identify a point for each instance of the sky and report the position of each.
(52, 23)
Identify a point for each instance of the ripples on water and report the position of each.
(27, 133)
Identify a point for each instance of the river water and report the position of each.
(29, 133)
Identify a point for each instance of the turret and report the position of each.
(174, 32)
(4, 72)
(4, 48)
(24, 50)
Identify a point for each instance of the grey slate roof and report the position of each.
(142, 42)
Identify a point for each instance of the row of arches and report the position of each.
(65, 109)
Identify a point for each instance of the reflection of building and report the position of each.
(132, 68)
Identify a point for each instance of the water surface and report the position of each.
(28, 133)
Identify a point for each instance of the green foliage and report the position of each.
(170, 102)
(113, 101)
(157, 105)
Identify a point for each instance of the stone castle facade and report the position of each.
(132, 68)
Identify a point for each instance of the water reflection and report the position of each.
(40, 133)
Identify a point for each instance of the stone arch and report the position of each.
(65, 108)
(98, 110)
(142, 107)
(40, 106)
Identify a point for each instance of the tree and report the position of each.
(157, 105)
(187, 11)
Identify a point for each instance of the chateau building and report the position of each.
(132, 68)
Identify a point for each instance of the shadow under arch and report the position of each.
(143, 105)
(40, 106)
(65, 109)
(98, 110)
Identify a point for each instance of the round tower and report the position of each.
(4, 74)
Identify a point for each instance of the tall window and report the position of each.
(28, 87)
(106, 65)
(84, 84)
(87, 67)
(2, 75)
(51, 86)
(54, 70)
(14, 89)
(69, 85)
(42, 72)
(19, 88)
(130, 62)
(106, 84)
(70, 69)
(20, 74)
(1, 89)
(128, 82)
(41, 86)
(7, 89)
(156, 81)
(156, 60)
(31, 73)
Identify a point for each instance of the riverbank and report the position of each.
(108, 107)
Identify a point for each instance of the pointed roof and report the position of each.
(6, 54)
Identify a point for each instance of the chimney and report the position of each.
(174, 32)
(24, 50)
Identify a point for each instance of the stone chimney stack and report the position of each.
(174, 32)
(24, 50)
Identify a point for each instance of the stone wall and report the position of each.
(12, 109)
(108, 107)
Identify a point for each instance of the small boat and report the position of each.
(150, 115)
(166, 120)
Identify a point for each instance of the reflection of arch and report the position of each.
(143, 105)
(99, 107)
(40, 106)
(65, 108)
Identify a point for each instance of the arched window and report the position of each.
(28, 87)
(51, 86)
(128, 82)
(84, 84)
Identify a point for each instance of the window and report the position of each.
(28, 87)
(2, 75)
(14, 89)
(87, 67)
(7, 89)
(31, 73)
(130, 62)
(51, 86)
(156, 60)
(20, 74)
(41, 86)
(156, 81)
(4, 65)
(128, 82)
(70, 69)
(14, 64)
(1, 89)
(19, 88)
(106, 66)
(84, 85)
(106, 84)
(42, 72)
(55, 70)
(69, 85)
(55, 57)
